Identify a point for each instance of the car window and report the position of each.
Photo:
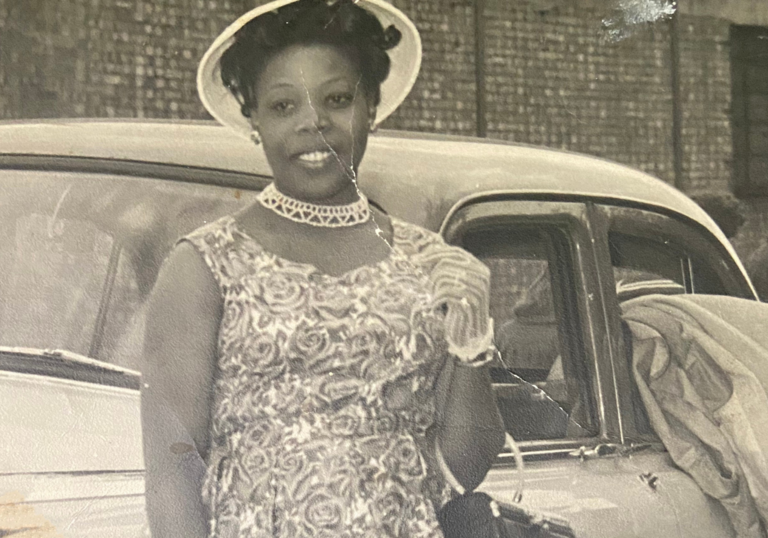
(540, 380)
(81, 253)
(642, 265)
(654, 253)
(122, 337)
(51, 288)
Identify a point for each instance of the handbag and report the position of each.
(475, 514)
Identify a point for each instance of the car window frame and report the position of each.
(684, 234)
(553, 247)
(574, 217)
(110, 169)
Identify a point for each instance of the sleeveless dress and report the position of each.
(324, 393)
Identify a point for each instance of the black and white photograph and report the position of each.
(384, 268)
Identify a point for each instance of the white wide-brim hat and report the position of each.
(404, 66)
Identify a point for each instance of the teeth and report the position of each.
(315, 156)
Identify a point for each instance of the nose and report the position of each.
(313, 118)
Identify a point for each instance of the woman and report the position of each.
(312, 350)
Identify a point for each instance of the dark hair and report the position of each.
(340, 23)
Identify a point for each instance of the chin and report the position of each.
(319, 188)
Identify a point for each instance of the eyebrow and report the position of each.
(280, 85)
(334, 79)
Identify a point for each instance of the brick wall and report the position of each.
(443, 98)
(41, 58)
(705, 73)
(154, 59)
(555, 79)
(707, 138)
(105, 58)
(552, 78)
(753, 12)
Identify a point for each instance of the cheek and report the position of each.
(275, 139)
(361, 138)
(273, 133)
(359, 127)
(273, 143)
(358, 141)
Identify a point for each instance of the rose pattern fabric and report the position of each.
(324, 393)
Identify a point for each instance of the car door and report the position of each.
(71, 461)
(640, 246)
(555, 384)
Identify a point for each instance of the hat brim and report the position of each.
(405, 65)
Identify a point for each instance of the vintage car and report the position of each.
(91, 208)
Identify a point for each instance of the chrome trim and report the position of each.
(141, 169)
(70, 356)
(66, 366)
(593, 213)
(688, 270)
(600, 401)
(546, 452)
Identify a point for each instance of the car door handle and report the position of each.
(603, 449)
(607, 449)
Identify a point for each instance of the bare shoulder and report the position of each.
(185, 303)
(185, 276)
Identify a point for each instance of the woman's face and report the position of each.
(313, 115)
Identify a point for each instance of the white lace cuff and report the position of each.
(468, 353)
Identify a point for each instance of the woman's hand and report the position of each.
(461, 289)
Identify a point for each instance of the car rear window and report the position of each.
(655, 253)
(81, 253)
(51, 288)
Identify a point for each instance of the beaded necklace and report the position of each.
(327, 216)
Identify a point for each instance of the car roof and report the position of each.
(414, 176)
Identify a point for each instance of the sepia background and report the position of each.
(678, 91)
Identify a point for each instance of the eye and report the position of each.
(282, 107)
(341, 99)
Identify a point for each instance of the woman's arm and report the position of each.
(470, 428)
(182, 326)
(470, 431)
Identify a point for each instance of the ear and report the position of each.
(371, 113)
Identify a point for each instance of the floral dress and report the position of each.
(324, 393)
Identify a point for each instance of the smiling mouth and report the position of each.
(314, 159)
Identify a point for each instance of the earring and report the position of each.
(373, 126)
(255, 137)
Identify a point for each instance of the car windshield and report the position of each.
(81, 252)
